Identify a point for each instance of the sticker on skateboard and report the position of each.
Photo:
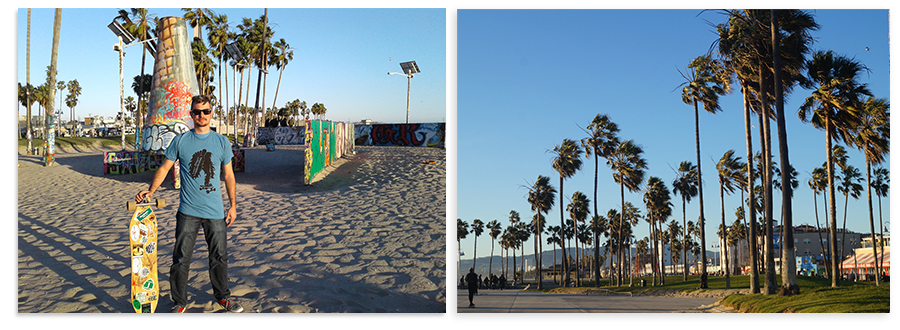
(142, 235)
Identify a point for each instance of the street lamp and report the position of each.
(717, 258)
(125, 38)
(409, 68)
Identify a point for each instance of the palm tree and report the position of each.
(61, 86)
(282, 56)
(554, 240)
(675, 244)
(659, 208)
(737, 233)
(632, 218)
(72, 99)
(203, 65)
(642, 248)
(493, 228)
(850, 187)
(524, 233)
(599, 226)
(51, 78)
(601, 142)
(29, 130)
(686, 185)
(513, 236)
(578, 211)
(881, 184)
(818, 183)
(505, 244)
(833, 107)
(566, 162)
(477, 228)
(873, 136)
(628, 165)
(197, 18)
(728, 168)
(462, 230)
(786, 69)
(705, 81)
(541, 197)
(218, 37)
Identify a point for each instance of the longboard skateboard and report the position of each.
(142, 234)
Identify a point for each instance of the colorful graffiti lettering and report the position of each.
(130, 162)
(158, 137)
(413, 135)
(282, 135)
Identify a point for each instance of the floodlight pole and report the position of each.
(408, 83)
(121, 91)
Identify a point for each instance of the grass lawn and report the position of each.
(816, 294)
(81, 141)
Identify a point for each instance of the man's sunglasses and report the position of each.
(196, 112)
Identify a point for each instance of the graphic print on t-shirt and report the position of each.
(202, 161)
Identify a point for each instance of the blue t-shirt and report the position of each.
(201, 159)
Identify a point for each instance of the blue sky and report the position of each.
(341, 59)
(527, 79)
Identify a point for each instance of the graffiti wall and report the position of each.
(328, 141)
(409, 135)
(282, 135)
(131, 162)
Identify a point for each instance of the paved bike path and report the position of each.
(517, 301)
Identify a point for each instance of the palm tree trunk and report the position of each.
(703, 275)
(880, 222)
(872, 223)
(554, 264)
(278, 86)
(684, 235)
(844, 230)
(788, 262)
(835, 266)
(491, 260)
(596, 265)
(819, 231)
(767, 181)
(562, 235)
(51, 83)
(724, 234)
(619, 244)
(29, 130)
(475, 250)
(514, 265)
(577, 262)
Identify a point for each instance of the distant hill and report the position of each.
(481, 264)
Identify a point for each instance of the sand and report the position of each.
(369, 236)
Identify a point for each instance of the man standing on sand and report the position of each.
(472, 280)
(207, 153)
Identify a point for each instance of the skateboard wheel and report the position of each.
(131, 205)
(160, 203)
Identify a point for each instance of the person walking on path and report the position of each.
(472, 280)
(208, 155)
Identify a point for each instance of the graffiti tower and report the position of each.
(174, 83)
